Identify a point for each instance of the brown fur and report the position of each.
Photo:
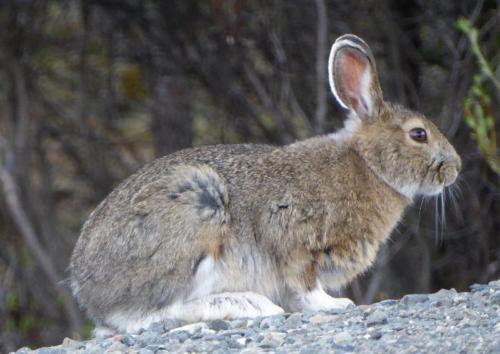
(275, 219)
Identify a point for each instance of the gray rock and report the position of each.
(294, 319)
(273, 339)
(218, 325)
(181, 336)
(323, 318)
(255, 322)
(238, 324)
(446, 321)
(145, 351)
(51, 350)
(495, 299)
(444, 297)
(171, 323)
(71, 343)
(343, 337)
(414, 299)
(93, 349)
(117, 347)
(389, 302)
(272, 321)
(313, 349)
(376, 318)
(494, 284)
(145, 337)
(106, 344)
(156, 327)
(236, 344)
(128, 340)
(344, 348)
(478, 287)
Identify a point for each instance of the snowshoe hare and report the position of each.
(232, 231)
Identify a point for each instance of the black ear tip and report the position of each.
(353, 39)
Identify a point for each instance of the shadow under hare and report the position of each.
(231, 231)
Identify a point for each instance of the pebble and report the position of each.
(446, 321)
(171, 323)
(343, 337)
(414, 299)
(494, 284)
(272, 321)
(444, 297)
(128, 340)
(295, 318)
(240, 323)
(145, 351)
(156, 327)
(377, 317)
(218, 325)
(23, 350)
(495, 299)
(321, 318)
(118, 347)
(389, 302)
(190, 328)
(181, 336)
(51, 350)
(478, 287)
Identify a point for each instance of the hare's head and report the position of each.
(402, 147)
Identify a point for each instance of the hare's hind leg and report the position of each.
(228, 305)
(204, 300)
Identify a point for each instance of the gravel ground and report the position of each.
(443, 322)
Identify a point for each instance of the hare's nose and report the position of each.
(451, 156)
(451, 170)
(456, 162)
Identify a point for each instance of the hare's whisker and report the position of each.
(454, 201)
(422, 199)
(436, 221)
(443, 215)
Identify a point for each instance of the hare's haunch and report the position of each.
(233, 231)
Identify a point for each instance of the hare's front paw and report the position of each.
(319, 300)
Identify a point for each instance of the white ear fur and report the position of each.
(366, 104)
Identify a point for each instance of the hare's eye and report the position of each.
(419, 135)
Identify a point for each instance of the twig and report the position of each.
(29, 235)
(321, 91)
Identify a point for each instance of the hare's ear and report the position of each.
(353, 76)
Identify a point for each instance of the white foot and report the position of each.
(103, 332)
(225, 306)
(210, 307)
(319, 300)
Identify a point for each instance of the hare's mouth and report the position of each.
(432, 190)
(447, 173)
(440, 174)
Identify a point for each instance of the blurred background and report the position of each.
(92, 90)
